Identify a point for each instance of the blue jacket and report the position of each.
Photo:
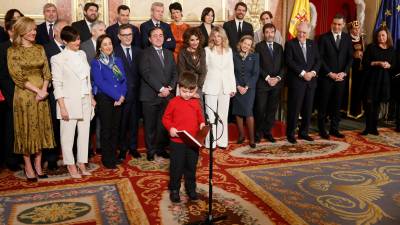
(247, 71)
(104, 80)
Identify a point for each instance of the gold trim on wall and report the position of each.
(77, 12)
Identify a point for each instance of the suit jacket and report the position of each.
(220, 73)
(83, 29)
(42, 35)
(3, 35)
(154, 76)
(6, 83)
(67, 81)
(296, 63)
(205, 34)
(232, 33)
(113, 32)
(246, 71)
(131, 70)
(335, 59)
(169, 40)
(89, 49)
(51, 50)
(272, 66)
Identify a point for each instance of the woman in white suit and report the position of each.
(75, 103)
(219, 85)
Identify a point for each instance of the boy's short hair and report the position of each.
(188, 80)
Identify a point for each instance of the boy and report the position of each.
(183, 113)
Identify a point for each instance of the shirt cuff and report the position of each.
(161, 89)
(267, 78)
(315, 73)
(279, 78)
(302, 73)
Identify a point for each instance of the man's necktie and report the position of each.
(271, 51)
(128, 55)
(304, 50)
(157, 24)
(51, 35)
(160, 55)
(240, 30)
(337, 41)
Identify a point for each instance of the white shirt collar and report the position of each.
(335, 34)
(89, 24)
(155, 22)
(157, 48)
(94, 43)
(237, 23)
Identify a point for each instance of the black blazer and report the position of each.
(205, 34)
(231, 32)
(154, 76)
(169, 40)
(335, 59)
(83, 29)
(6, 83)
(272, 66)
(113, 32)
(296, 63)
(42, 35)
(3, 35)
(51, 49)
(131, 70)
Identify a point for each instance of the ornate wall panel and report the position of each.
(34, 11)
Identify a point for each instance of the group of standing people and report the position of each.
(63, 73)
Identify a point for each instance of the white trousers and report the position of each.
(67, 133)
(220, 105)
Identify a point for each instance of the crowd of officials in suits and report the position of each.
(55, 75)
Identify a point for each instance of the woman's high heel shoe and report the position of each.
(41, 175)
(30, 179)
(82, 168)
(75, 174)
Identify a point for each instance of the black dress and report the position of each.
(246, 74)
(377, 79)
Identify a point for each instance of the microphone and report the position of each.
(217, 117)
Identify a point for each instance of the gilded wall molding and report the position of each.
(33, 16)
(78, 5)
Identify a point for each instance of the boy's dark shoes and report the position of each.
(135, 154)
(174, 196)
(193, 195)
(163, 154)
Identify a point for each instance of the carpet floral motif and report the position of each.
(386, 138)
(285, 150)
(344, 191)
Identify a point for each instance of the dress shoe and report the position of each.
(73, 172)
(305, 137)
(374, 132)
(222, 148)
(163, 154)
(119, 161)
(150, 156)
(52, 165)
(270, 138)
(324, 135)
(364, 133)
(240, 140)
(110, 166)
(336, 133)
(291, 139)
(257, 138)
(41, 175)
(252, 145)
(174, 196)
(82, 168)
(30, 179)
(14, 167)
(135, 154)
(193, 196)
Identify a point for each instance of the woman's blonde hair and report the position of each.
(245, 37)
(23, 26)
(222, 33)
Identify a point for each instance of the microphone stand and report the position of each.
(210, 219)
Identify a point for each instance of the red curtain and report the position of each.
(327, 9)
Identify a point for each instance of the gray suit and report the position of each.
(88, 47)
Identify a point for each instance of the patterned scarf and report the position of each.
(109, 61)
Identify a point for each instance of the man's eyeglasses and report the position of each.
(126, 35)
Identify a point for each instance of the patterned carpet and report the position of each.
(350, 181)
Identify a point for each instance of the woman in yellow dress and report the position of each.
(30, 72)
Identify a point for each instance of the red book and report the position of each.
(194, 142)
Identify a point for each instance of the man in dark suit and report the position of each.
(3, 35)
(158, 78)
(90, 12)
(130, 116)
(52, 48)
(269, 84)
(123, 18)
(157, 12)
(303, 63)
(237, 27)
(336, 53)
(7, 89)
(45, 30)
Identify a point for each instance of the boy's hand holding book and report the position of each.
(202, 125)
(172, 132)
